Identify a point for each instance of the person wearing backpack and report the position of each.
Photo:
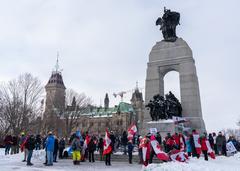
(76, 148)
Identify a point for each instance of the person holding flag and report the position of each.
(107, 148)
(145, 146)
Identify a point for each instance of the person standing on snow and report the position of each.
(204, 147)
(91, 149)
(130, 150)
(50, 148)
(76, 147)
(100, 148)
(61, 146)
(55, 152)
(30, 145)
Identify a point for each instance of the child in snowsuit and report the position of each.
(76, 147)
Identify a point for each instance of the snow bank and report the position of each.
(221, 163)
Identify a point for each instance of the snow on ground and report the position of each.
(14, 162)
(221, 163)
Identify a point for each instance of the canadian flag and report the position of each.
(210, 151)
(86, 141)
(197, 142)
(107, 148)
(177, 155)
(182, 143)
(145, 146)
(132, 131)
(157, 149)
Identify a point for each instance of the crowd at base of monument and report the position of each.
(177, 147)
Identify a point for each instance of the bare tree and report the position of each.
(20, 99)
(77, 104)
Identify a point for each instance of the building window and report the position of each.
(99, 124)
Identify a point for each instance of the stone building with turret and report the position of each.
(95, 120)
(55, 101)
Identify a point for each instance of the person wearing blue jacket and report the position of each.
(49, 145)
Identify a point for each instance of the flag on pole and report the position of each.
(161, 155)
(132, 130)
(107, 148)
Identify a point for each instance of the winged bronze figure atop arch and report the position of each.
(168, 24)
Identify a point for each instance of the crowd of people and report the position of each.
(83, 146)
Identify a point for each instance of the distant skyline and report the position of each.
(104, 46)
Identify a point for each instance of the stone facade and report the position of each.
(94, 120)
(54, 103)
(175, 56)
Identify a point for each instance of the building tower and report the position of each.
(106, 102)
(55, 100)
(138, 105)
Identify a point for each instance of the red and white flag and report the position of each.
(182, 143)
(145, 146)
(177, 155)
(196, 139)
(86, 141)
(132, 130)
(210, 151)
(107, 148)
(161, 155)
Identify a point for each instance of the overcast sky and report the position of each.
(104, 47)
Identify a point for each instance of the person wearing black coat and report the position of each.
(30, 145)
(124, 141)
(38, 142)
(55, 150)
(61, 147)
(100, 148)
(91, 149)
(130, 150)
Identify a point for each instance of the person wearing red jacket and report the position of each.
(176, 138)
(204, 147)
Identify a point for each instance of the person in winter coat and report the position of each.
(221, 144)
(176, 139)
(140, 150)
(169, 143)
(8, 143)
(50, 141)
(204, 148)
(61, 146)
(30, 145)
(22, 143)
(113, 140)
(14, 146)
(130, 150)
(124, 141)
(188, 145)
(159, 138)
(55, 150)
(38, 142)
(214, 141)
(91, 149)
(76, 147)
(211, 140)
(100, 148)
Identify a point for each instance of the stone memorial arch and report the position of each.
(167, 56)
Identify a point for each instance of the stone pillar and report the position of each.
(190, 95)
(174, 56)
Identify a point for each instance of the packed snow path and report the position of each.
(14, 162)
